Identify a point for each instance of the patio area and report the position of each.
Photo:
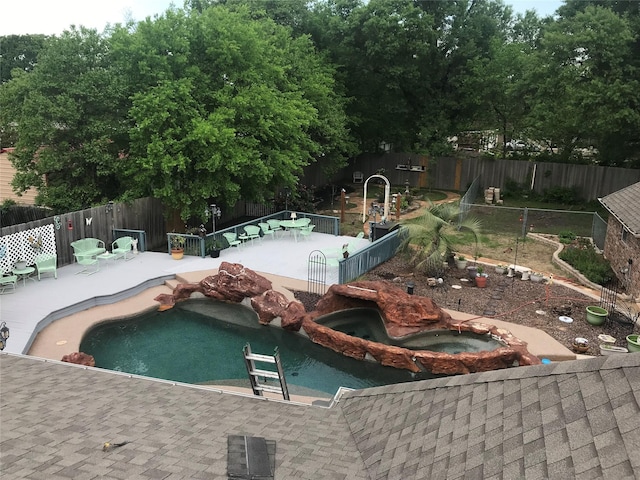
(35, 304)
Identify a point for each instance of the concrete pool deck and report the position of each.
(48, 318)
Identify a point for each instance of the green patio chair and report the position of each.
(7, 281)
(232, 239)
(46, 263)
(251, 232)
(275, 226)
(121, 247)
(306, 231)
(266, 229)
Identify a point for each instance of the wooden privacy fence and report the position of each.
(457, 173)
(145, 214)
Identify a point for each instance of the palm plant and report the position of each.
(431, 238)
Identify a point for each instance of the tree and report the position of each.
(226, 107)
(431, 238)
(589, 92)
(69, 122)
(19, 52)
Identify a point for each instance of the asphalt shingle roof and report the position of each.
(623, 204)
(563, 420)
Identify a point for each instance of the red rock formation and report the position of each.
(234, 282)
(402, 314)
(80, 358)
(269, 305)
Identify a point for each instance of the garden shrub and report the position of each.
(588, 262)
(513, 189)
(566, 236)
(563, 195)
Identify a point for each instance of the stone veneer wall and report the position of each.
(618, 253)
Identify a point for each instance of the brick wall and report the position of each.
(618, 253)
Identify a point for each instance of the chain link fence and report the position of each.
(468, 199)
(520, 221)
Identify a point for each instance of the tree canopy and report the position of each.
(229, 99)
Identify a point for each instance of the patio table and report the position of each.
(106, 256)
(294, 226)
(24, 274)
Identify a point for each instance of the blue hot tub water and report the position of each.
(184, 344)
(367, 324)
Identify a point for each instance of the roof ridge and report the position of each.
(518, 373)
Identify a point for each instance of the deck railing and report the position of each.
(196, 245)
(368, 258)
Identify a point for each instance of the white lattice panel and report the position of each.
(18, 246)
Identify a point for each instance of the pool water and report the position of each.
(189, 344)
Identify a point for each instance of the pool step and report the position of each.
(255, 373)
(264, 373)
(269, 388)
(261, 358)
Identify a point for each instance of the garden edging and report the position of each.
(572, 271)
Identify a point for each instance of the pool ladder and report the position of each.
(255, 373)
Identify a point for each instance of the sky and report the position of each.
(19, 17)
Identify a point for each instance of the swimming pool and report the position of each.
(201, 341)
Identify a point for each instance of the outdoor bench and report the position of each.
(87, 248)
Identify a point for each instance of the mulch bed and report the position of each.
(537, 305)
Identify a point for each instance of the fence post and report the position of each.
(524, 222)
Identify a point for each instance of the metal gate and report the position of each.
(609, 301)
(317, 273)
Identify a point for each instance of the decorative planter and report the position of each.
(481, 281)
(461, 264)
(536, 278)
(608, 349)
(500, 270)
(472, 271)
(20, 265)
(215, 253)
(633, 342)
(596, 315)
(177, 253)
(580, 347)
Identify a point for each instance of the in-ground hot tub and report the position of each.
(367, 324)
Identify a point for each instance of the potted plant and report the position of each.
(177, 246)
(472, 270)
(500, 269)
(461, 262)
(481, 278)
(633, 342)
(20, 264)
(580, 345)
(596, 315)
(214, 247)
